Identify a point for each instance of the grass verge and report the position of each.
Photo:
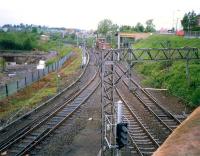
(172, 75)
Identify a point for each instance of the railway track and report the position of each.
(27, 120)
(143, 142)
(32, 137)
(163, 116)
(36, 119)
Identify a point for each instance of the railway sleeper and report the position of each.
(161, 115)
(173, 126)
(138, 131)
(132, 128)
(147, 153)
(31, 137)
(140, 137)
(63, 114)
(137, 134)
(147, 148)
(141, 141)
(56, 120)
(132, 124)
(13, 151)
(18, 146)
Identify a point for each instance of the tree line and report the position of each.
(106, 27)
(18, 40)
(190, 21)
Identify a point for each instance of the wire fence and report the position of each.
(12, 87)
(192, 34)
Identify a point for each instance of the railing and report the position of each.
(192, 34)
(13, 87)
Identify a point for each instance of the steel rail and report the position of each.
(166, 113)
(49, 131)
(149, 109)
(49, 100)
(152, 98)
(50, 116)
(154, 142)
(30, 125)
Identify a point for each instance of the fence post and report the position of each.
(43, 72)
(25, 81)
(48, 69)
(38, 75)
(17, 85)
(32, 76)
(6, 90)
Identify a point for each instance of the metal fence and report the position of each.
(192, 34)
(13, 87)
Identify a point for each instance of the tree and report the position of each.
(189, 21)
(150, 27)
(104, 27)
(27, 45)
(139, 27)
(126, 28)
(34, 30)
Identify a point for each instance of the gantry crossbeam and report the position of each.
(159, 54)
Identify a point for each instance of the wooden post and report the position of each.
(6, 90)
(25, 81)
(38, 75)
(17, 85)
(32, 76)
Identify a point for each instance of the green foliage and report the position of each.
(61, 52)
(1, 64)
(155, 41)
(90, 42)
(172, 75)
(104, 26)
(127, 28)
(34, 30)
(189, 21)
(139, 27)
(18, 40)
(150, 27)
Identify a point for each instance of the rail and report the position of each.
(154, 104)
(49, 100)
(48, 131)
(153, 141)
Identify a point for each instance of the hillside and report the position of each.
(172, 75)
(154, 41)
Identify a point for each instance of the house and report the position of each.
(44, 37)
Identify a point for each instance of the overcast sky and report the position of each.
(86, 14)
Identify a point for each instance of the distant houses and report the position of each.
(44, 38)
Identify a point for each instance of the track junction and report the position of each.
(149, 122)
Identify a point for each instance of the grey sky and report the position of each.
(86, 14)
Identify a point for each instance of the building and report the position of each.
(44, 37)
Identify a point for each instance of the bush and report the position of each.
(18, 41)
